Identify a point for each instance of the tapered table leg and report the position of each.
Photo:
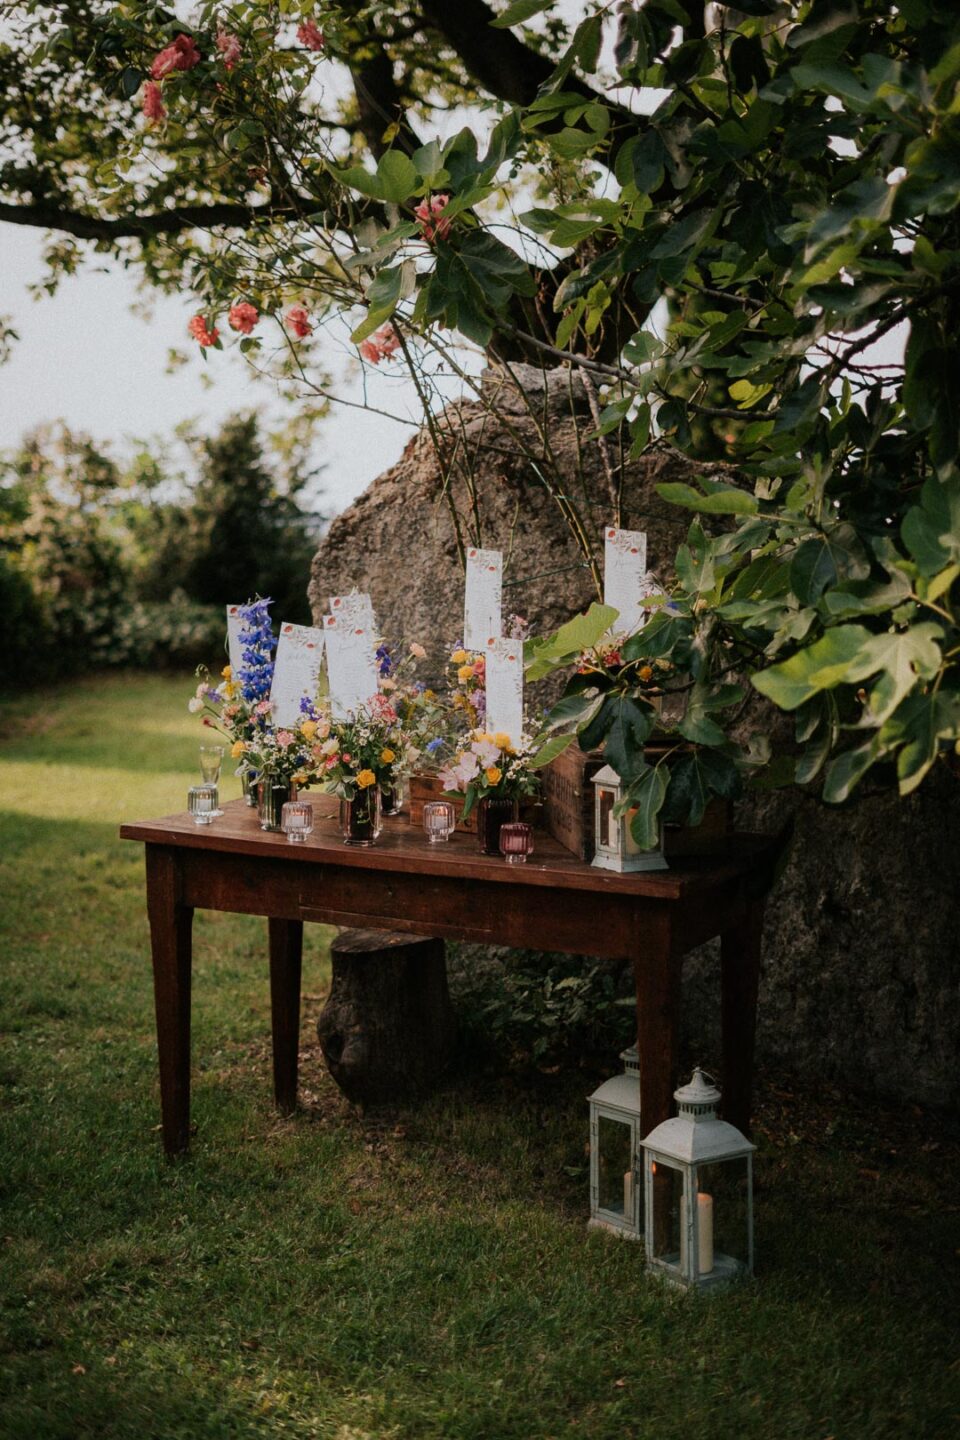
(657, 976)
(286, 957)
(171, 938)
(740, 952)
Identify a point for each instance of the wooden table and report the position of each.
(553, 902)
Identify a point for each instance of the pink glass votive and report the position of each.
(516, 841)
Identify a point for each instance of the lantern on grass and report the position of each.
(615, 1152)
(614, 844)
(698, 1193)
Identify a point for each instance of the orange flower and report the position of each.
(494, 775)
(366, 778)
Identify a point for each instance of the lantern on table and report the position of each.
(615, 1152)
(698, 1193)
(615, 847)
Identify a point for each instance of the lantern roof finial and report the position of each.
(699, 1097)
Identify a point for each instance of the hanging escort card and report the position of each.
(481, 605)
(504, 686)
(351, 665)
(234, 627)
(296, 671)
(354, 609)
(625, 577)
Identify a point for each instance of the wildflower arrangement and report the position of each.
(238, 708)
(609, 664)
(288, 755)
(491, 767)
(468, 700)
(357, 754)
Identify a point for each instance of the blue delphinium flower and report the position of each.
(256, 651)
(384, 660)
(434, 745)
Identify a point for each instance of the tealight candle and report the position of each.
(202, 803)
(296, 821)
(438, 820)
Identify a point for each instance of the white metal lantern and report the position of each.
(614, 844)
(615, 1152)
(698, 1193)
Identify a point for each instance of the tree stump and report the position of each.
(387, 1029)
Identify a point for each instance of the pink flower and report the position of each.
(428, 212)
(243, 316)
(310, 35)
(285, 738)
(298, 321)
(345, 758)
(381, 344)
(180, 54)
(204, 336)
(153, 106)
(381, 709)
(330, 761)
(417, 651)
(229, 46)
(263, 708)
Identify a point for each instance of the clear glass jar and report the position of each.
(516, 841)
(272, 795)
(439, 820)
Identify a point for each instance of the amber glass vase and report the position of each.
(360, 821)
(494, 811)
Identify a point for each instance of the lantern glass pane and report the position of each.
(725, 1182)
(615, 1166)
(667, 1213)
(630, 845)
(607, 827)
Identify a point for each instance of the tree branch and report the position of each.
(50, 216)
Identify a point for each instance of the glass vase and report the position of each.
(392, 795)
(272, 795)
(493, 812)
(248, 782)
(360, 818)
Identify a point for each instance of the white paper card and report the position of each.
(504, 686)
(625, 577)
(355, 609)
(296, 671)
(234, 627)
(351, 665)
(482, 597)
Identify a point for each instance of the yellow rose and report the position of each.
(502, 741)
(387, 756)
(459, 657)
(366, 778)
(465, 673)
(300, 778)
(645, 673)
(494, 775)
(238, 748)
(227, 672)
(308, 729)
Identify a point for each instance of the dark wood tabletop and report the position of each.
(552, 902)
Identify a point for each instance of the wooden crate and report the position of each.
(568, 808)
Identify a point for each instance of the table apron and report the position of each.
(491, 913)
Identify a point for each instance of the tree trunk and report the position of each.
(387, 1029)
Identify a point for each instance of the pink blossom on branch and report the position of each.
(243, 317)
(153, 106)
(381, 345)
(298, 322)
(229, 46)
(180, 54)
(310, 35)
(429, 213)
(203, 336)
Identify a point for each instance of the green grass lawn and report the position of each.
(428, 1275)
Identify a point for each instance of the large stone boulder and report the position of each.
(861, 982)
